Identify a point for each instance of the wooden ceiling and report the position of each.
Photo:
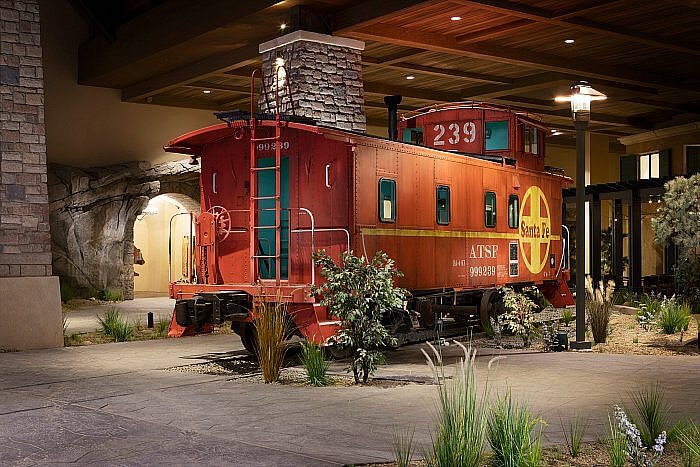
(645, 55)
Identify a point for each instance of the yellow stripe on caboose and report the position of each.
(443, 233)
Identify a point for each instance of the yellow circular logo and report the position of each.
(535, 229)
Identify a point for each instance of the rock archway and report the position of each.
(92, 215)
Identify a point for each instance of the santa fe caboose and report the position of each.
(463, 203)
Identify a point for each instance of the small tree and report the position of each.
(360, 294)
(678, 221)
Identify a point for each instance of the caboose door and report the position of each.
(265, 226)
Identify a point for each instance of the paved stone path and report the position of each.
(113, 404)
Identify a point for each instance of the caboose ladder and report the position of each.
(256, 210)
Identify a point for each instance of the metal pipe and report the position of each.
(392, 104)
(313, 225)
(347, 233)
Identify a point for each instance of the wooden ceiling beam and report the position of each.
(373, 11)
(185, 103)
(434, 71)
(203, 85)
(570, 20)
(583, 68)
(692, 108)
(169, 24)
(527, 83)
(190, 73)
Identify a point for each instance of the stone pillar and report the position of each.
(30, 315)
(321, 80)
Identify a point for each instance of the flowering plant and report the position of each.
(639, 455)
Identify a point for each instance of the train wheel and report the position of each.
(490, 307)
(249, 338)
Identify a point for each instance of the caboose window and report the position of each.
(490, 209)
(413, 136)
(530, 139)
(497, 135)
(443, 205)
(513, 211)
(387, 200)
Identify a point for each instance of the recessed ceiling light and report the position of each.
(456, 18)
(410, 77)
(206, 91)
(569, 41)
(283, 26)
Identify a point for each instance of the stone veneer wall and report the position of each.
(25, 243)
(323, 76)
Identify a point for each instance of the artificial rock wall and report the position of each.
(322, 79)
(92, 218)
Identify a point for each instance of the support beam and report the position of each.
(167, 25)
(595, 233)
(617, 261)
(583, 68)
(193, 72)
(433, 71)
(635, 241)
(571, 21)
(411, 92)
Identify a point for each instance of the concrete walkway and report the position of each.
(113, 404)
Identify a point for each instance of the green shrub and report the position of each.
(403, 447)
(109, 320)
(616, 445)
(112, 324)
(687, 280)
(574, 433)
(360, 294)
(650, 414)
(518, 317)
(112, 295)
(460, 431)
(510, 434)
(649, 308)
(689, 436)
(567, 316)
(272, 325)
(315, 364)
(122, 331)
(162, 326)
(599, 308)
(674, 317)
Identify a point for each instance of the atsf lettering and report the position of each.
(483, 251)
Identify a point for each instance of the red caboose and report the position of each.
(474, 211)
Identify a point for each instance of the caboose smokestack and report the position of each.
(392, 104)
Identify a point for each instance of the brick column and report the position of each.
(323, 76)
(25, 241)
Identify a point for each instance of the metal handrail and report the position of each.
(565, 244)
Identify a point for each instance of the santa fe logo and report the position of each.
(535, 229)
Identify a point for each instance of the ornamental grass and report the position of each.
(272, 325)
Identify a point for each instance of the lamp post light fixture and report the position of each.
(582, 94)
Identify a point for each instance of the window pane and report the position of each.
(655, 165)
(443, 205)
(535, 146)
(387, 200)
(644, 167)
(490, 209)
(496, 135)
(413, 136)
(513, 211)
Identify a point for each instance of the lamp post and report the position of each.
(582, 94)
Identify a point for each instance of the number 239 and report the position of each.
(454, 136)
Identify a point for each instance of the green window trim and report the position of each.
(442, 195)
(490, 209)
(513, 211)
(387, 200)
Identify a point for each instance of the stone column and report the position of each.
(30, 314)
(322, 79)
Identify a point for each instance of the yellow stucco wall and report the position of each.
(675, 143)
(90, 126)
(151, 237)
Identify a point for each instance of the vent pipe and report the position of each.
(392, 104)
